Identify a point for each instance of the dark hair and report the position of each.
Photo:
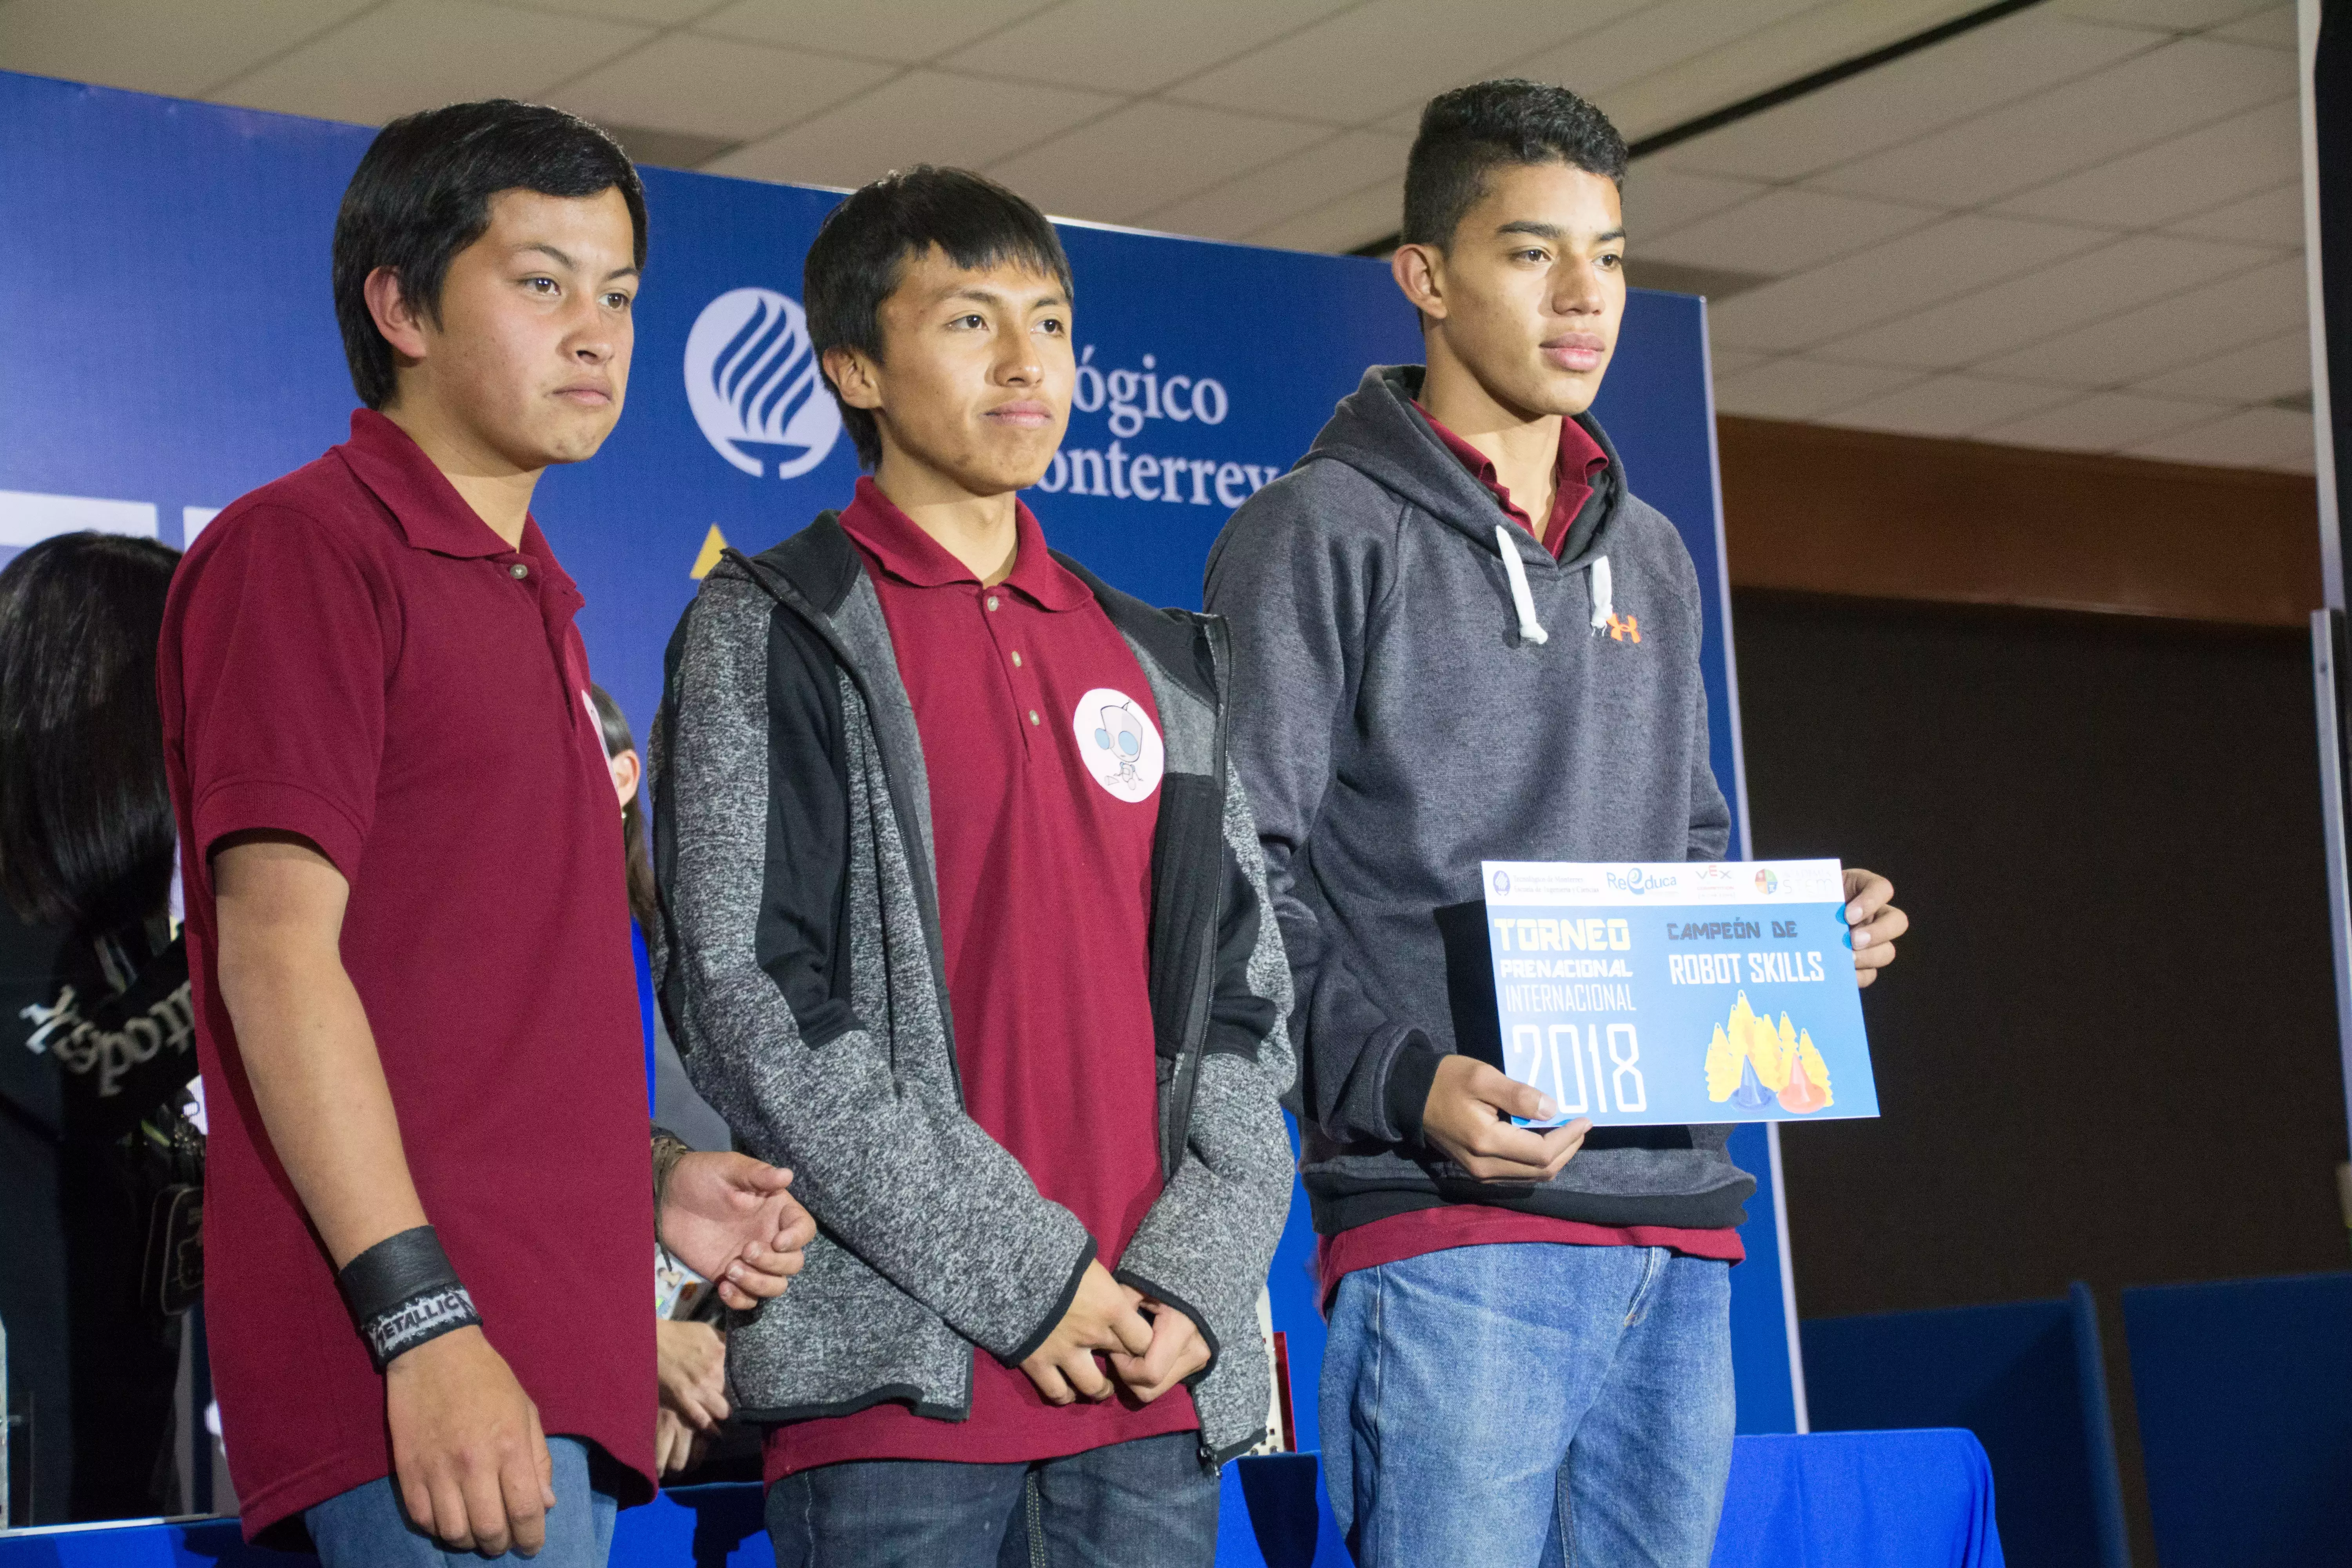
(612, 726)
(862, 249)
(1472, 129)
(422, 193)
(86, 829)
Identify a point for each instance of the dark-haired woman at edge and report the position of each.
(87, 846)
(691, 1356)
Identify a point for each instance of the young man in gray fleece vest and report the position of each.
(962, 908)
(1467, 638)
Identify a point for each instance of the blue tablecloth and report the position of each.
(1836, 1500)
(1860, 1499)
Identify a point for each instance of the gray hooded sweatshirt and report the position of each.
(1413, 705)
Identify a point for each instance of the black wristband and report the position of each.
(402, 1293)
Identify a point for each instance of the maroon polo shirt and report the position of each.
(1409, 1235)
(1581, 462)
(1042, 747)
(352, 654)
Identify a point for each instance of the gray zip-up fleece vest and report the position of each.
(1427, 693)
(802, 976)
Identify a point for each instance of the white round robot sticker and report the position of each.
(1118, 744)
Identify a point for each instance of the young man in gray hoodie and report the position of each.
(1467, 638)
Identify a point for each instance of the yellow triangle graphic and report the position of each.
(711, 545)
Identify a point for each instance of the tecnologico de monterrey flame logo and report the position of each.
(751, 379)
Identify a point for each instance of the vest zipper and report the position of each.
(1196, 1020)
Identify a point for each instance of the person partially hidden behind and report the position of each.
(691, 1350)
(965, 914)
(86, 845)
(430, 1186)
(1467, 638)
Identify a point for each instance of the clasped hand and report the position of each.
(1151, 1347)
(731, 1219)
(690, 1372)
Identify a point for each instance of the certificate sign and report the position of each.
(1679, 992)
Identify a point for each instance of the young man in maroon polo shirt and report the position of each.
(1468, 640)
(428, 1197)
(965, 913)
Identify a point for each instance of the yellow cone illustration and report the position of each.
(1750, 1062)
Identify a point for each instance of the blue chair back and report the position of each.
(2244, 1390)
(2025, 1377)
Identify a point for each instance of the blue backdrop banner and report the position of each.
(171, 343)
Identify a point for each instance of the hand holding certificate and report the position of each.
(1635, 995)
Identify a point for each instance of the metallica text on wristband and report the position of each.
(402, 1292)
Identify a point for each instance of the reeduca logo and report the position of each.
(751, 379)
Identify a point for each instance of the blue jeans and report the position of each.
(366, 1528)
(1531, 1403)
(1150, 1503)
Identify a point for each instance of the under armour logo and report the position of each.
(1624, 628)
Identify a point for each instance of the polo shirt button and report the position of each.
(1033, 715)
(517, 571)
(1017, 662)
(991, 601)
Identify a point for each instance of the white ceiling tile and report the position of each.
(2101, 422)
(2216, 164)
(1659, 200)
(903, 30)
(1114, 168)
(1796, 388)
(2203, 324)
(2248, 438)
(1648, 39)
(1948, 405)
(2259, 372)
(661, 13)
(2169, 15)
(2274, 217)
(157, 48)
(2159, 94)
(1906, 99)
(1805, 36)
(1347, 162)
(2057, 299)
(449, 52)
(2273, 28)
(1381, 58)
(716, 87)
(1119, 46)
(1903, 275)
(1786, 231)
(1729, 362)
(922, 117)
(1357, 218)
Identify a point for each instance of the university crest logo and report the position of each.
(751, 379)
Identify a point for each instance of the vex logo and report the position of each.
(751, 380)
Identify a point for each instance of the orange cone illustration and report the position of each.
(1801, 1093)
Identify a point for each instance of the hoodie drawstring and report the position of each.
(1531, 628)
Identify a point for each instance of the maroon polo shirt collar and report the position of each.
(909, 554)
(1579, 463)
(432, 515)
